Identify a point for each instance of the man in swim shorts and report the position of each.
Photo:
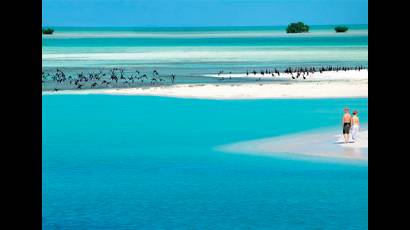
(347, 123)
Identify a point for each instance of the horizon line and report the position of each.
(358, 24)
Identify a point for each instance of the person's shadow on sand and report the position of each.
(342, 142)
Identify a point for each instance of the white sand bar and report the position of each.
(322, 144)
(349, 75)
(327, 85)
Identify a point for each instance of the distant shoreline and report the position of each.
(62, 32)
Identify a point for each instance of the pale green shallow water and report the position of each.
(198, 51)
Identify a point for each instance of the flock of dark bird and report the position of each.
(116, 77)
(296, 72)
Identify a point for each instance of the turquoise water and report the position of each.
(198, 51)
(329, 40)
(118, 162)
(198, 29)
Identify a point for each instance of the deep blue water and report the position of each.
(118, 162)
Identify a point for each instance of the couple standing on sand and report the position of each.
(350, 123)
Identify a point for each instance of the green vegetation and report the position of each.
(48, 31)
(341, 29)
(298, 27)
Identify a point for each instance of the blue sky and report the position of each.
(164, 13)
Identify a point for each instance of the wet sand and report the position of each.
(316, 144)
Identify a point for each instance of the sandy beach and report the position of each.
(319, 144)
(349, 84)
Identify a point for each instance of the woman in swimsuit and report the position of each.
(355, 126)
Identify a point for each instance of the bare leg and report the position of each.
(346, 136)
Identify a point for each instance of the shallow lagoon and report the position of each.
(124, 162)
(199, 51)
